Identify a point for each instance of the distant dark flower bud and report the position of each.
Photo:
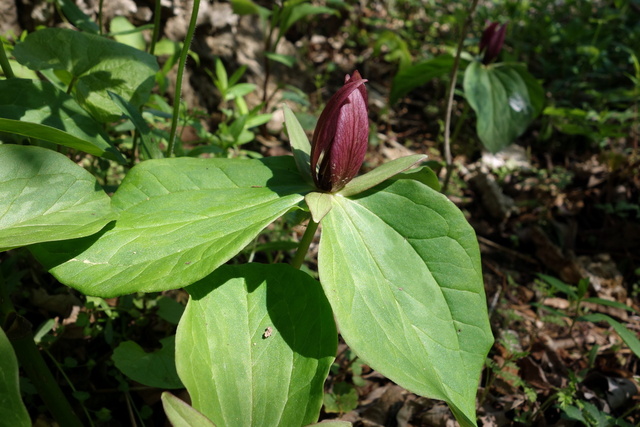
(340, 140)
(492, 41)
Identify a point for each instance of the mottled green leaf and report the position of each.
(37, 109)
(401, 269)
(506, 99)
(95, 63)
(180, 219)
(44, 197)
(255, 345)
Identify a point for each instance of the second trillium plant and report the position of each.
(399, 269)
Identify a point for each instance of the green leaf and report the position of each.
(181, 414)
(127, 33)
(626, 335)
(44, 196)
(401, 269)
(300, 145)
(38, 109)
(255, 345)
(13, 411)
(295, 12)
(383, 172)
(560, 286)
(332, 424)
(248, 7)
(239, 90)
(180, 219)
(77, 17)
(423, 174)
(154, 369)
(574, 413)
(149, 147)
(170, 310)
(319, 204)
(418, 74)
(610, 303)
(288, 60)
(342, 399)
(96, 64)
(506, 99)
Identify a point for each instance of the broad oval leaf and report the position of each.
(255, 345)
(40, 110)
(96, 63)
(401, 269)
(180, 219)
(506, 99)
(45, 197)
(154, 369)
(13, 411)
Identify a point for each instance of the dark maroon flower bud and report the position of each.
(492, 41)
(341, 136)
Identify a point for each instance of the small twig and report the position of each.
(132, 415)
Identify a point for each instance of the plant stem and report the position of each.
(181, 65)
(303, 247)
(267, 70)
(452, 86)
(156, 27)
(4, 64)
(100, 17)
(71, 83)
(20, 334)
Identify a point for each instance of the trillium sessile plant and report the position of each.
(398, 264)
(505, 97)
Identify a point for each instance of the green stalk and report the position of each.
(452, 87)
(20, 334)
(156, 27)
(181, 65)
(4, 63)
(100, 17)
(303, 247)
